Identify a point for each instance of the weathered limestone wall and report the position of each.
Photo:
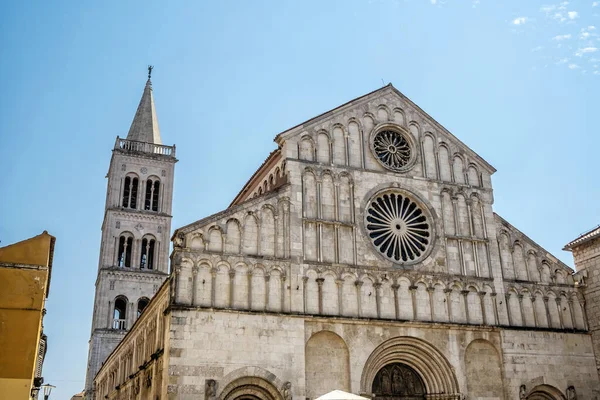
(558, 359)
(587, 261)
(317, 355)
(271, 346)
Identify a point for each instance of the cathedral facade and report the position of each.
(363, 255)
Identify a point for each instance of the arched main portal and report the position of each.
(427, 363)
(398, 381)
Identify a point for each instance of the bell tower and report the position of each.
(134, 250)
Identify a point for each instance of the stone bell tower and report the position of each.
(134, 251)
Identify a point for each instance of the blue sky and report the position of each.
(517, 81)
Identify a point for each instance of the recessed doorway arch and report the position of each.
(398, 381)
(422, 358)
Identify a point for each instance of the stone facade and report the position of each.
(365, 249)
(134, 252)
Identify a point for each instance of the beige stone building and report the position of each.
(363, 255)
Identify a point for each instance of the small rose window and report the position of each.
(398, 227)
(392, 149)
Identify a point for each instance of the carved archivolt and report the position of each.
(433, 368)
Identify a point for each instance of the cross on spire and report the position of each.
(150, 68)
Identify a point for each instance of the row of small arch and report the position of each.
(461, 170)
(271, 181)
(506, 246)
(237, 238)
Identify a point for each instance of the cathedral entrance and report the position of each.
(398, 381)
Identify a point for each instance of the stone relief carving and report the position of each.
(571, 393)
(522, 392)
(210, 389)
(287, 391)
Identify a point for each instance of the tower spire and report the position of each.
(144, 127)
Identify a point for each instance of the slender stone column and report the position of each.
(213, 286)
(495, 305)
(339, 283)
(465, 294)
(249, 290)
(376, 287)
(267, 291)
(395, 288)
(573, 324)
(560, 313)
(535, 316)
(231, 288)
(195, 270)
(283, 278)
(482, 305)
(305, 295)
(510, 317)
(430, 291)
(320, 289)
(413, 293)
(448, 306)
(358, 285)
(584, 312)
(547, 312)
(520, 297)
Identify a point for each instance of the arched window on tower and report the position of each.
(125, 247)
(130, 191)
(152, 191)
(142, 303)
(147, 253)
(120, 313)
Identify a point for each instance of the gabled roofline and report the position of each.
(256, 175)
(585, 237)
(289, 132)
(562, 264)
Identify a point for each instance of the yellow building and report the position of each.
(25, 269)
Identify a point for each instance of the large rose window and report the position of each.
(398, 227)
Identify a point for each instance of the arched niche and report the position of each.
(483, 370)
(326, 370)
(544, 392)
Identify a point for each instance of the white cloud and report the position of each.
(562, 37)
(586, 50)
(595, 3)
(573, 66)
(573, 14)
(547, 9)
(591, 28)
(538, 48)
(519, 20)
(562, 61)
(433, 1)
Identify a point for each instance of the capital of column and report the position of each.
(412, 287)
(464, 292)
(232, 273)
(320, 281)
(430, 289)
(377, 285)
(395, 286)
(358, 283)
(447, 290)
(481, 294)
(268, 277)
(195, 270)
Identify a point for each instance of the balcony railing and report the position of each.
(119, 324)
(142, 147)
